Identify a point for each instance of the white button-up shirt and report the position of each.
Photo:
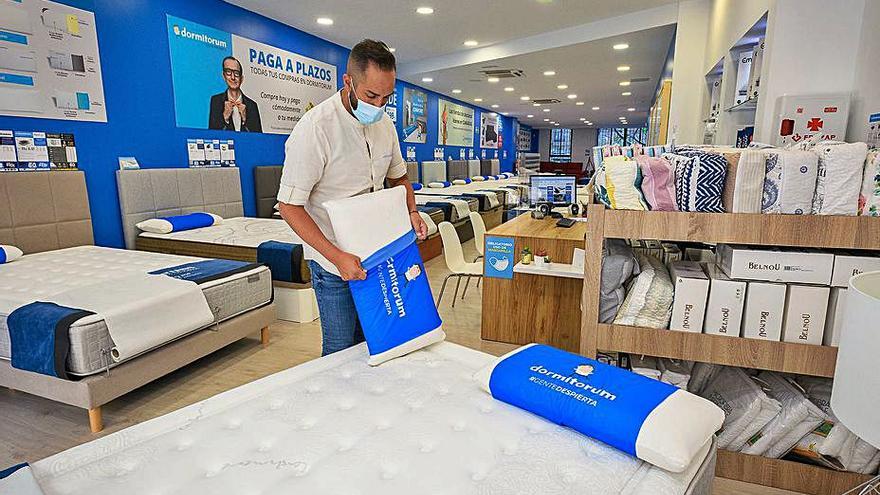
(331, 155)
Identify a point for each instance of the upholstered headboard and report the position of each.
(433, 171)
(43, 211)
(412, 171)
(473, 168)
(456, 169)
(266, 181)
(157, 192)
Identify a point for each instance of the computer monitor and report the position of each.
(558, 190)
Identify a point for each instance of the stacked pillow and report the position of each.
(8, 254)
(658, 182)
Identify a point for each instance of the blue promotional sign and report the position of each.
(500, 257)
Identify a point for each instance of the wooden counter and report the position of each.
(535, 308)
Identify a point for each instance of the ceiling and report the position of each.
(417, 36)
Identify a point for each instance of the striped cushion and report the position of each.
(699, 180)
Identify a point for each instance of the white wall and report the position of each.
(582, 141)
(866, 90)
(689, 92)
(729, 20)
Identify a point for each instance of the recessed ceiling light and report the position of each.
(624, 83)
(530, 116)
(582, 119)
(456, 91)
(620, 46)
(623, 68)
(425, 10)
(546, 120)
(493, 79)
(494, 106)
(621, 118)
(471, 43)
(557, 125)
(630, 109)
(562, 86)
(580, 103)
(508, 89)
(546, 109)
(324, 21)
(536, 104)
(572, 96)
(524, 98)
(549, 72)
(478, 100)
(427, 79)
(595, 108)
(626, 93)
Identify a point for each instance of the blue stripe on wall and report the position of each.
(133, 41)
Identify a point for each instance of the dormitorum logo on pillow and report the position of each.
(413, 273)
(584, 370)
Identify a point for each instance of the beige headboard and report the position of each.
(43, 211)
(157, 192)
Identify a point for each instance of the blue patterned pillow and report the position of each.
(699, 180)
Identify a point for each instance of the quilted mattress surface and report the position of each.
(41, 275)
(239, 231)
(417, 424)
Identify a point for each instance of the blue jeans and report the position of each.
(340, 327)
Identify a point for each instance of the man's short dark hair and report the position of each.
(371, 52)
(223, 64)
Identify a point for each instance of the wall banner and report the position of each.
(490, 133)
(264, 89)
(455, 125)
(49, 62)
(524, 138)
(415, 116)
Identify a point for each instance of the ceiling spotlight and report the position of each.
(508, 89)
(546, 120)
(582, 119)
(494, 106)
(324, 21)
(524, 98)
(557, 125)
(562, 86)
(630, 109)
(493, 79)
(572, 96)
(623, 68)
(478, 100)
(471, 43)
(546, 109)
(425, 10)
(456, 91)
(626, 93)
(549, 72)
(530, 116)
(620, 46)
(536, 104)
(624, 83)
(595, 108)
(580, 103)
(427, 79)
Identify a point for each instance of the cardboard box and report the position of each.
(691, 290)
(764, 311)
(727, 297)
(848, 265)
(834, 317)
(775, 265)
(805, 309)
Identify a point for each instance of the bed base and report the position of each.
(431, 247)
(94, 391)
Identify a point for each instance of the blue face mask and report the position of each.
(366, 114)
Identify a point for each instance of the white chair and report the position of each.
(479, 233)
(454, 255)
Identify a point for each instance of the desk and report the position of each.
(534, 307)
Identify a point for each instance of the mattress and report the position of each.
(239, 231)
(460, 192)
(43, 274)
(416, 424)
(437, 200)
(436, 214)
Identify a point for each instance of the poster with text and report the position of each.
(415, 116)
(524, 138)
(455, 125)
(489, 131)
(49, 62)
(223, 81)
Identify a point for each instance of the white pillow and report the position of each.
(439, 184)
(8, 254)
(178, 223)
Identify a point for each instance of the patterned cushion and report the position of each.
(699, 180)
(658, 183)
(649, 300)
(623, 181)
(869, 200)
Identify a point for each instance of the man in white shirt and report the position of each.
(343, 147)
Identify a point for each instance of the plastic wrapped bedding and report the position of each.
(675, 372)
(869, 199)
(618, 265)
(749, 185)
(701, 375)
(789, 182)
(647, 366)
(839, 179)
(658, 183)
(797, 418)
(747, 408)
(648, 301)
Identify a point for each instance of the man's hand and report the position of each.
(349, 267)
(418, 225)
(242, 110)
(227, 109)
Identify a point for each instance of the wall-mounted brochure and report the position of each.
(210, 152)
(32, 150)
(227, 153)
(490, 134)
(438, 153)
(8, 159)
(415, 116)
(225, 81)
(49, 62)
(524, 138)
(455, 127)
(61, 150)
(391, 108)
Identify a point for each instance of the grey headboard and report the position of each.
(412, 171)
(43, 211)
(456, 169)
(156, 192)
(266, 181)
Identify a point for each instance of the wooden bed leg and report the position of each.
(264, 335)
(95, 422)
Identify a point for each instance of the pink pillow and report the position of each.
(658, 182)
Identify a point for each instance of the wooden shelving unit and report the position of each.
(753, 229)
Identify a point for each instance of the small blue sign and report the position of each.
(500, 257)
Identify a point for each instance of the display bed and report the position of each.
(337, 425)
(39, 276)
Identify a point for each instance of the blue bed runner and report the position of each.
(201, 272)
(283, 259)
(39, 336)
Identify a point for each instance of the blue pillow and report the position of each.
(654, 421)
(416, 186)
(179, 223)
(8, 254)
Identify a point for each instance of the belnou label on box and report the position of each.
(805, 308)
(724, 309)
(847, 266)
(691, 290)
(764, 311)
(775, 265)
